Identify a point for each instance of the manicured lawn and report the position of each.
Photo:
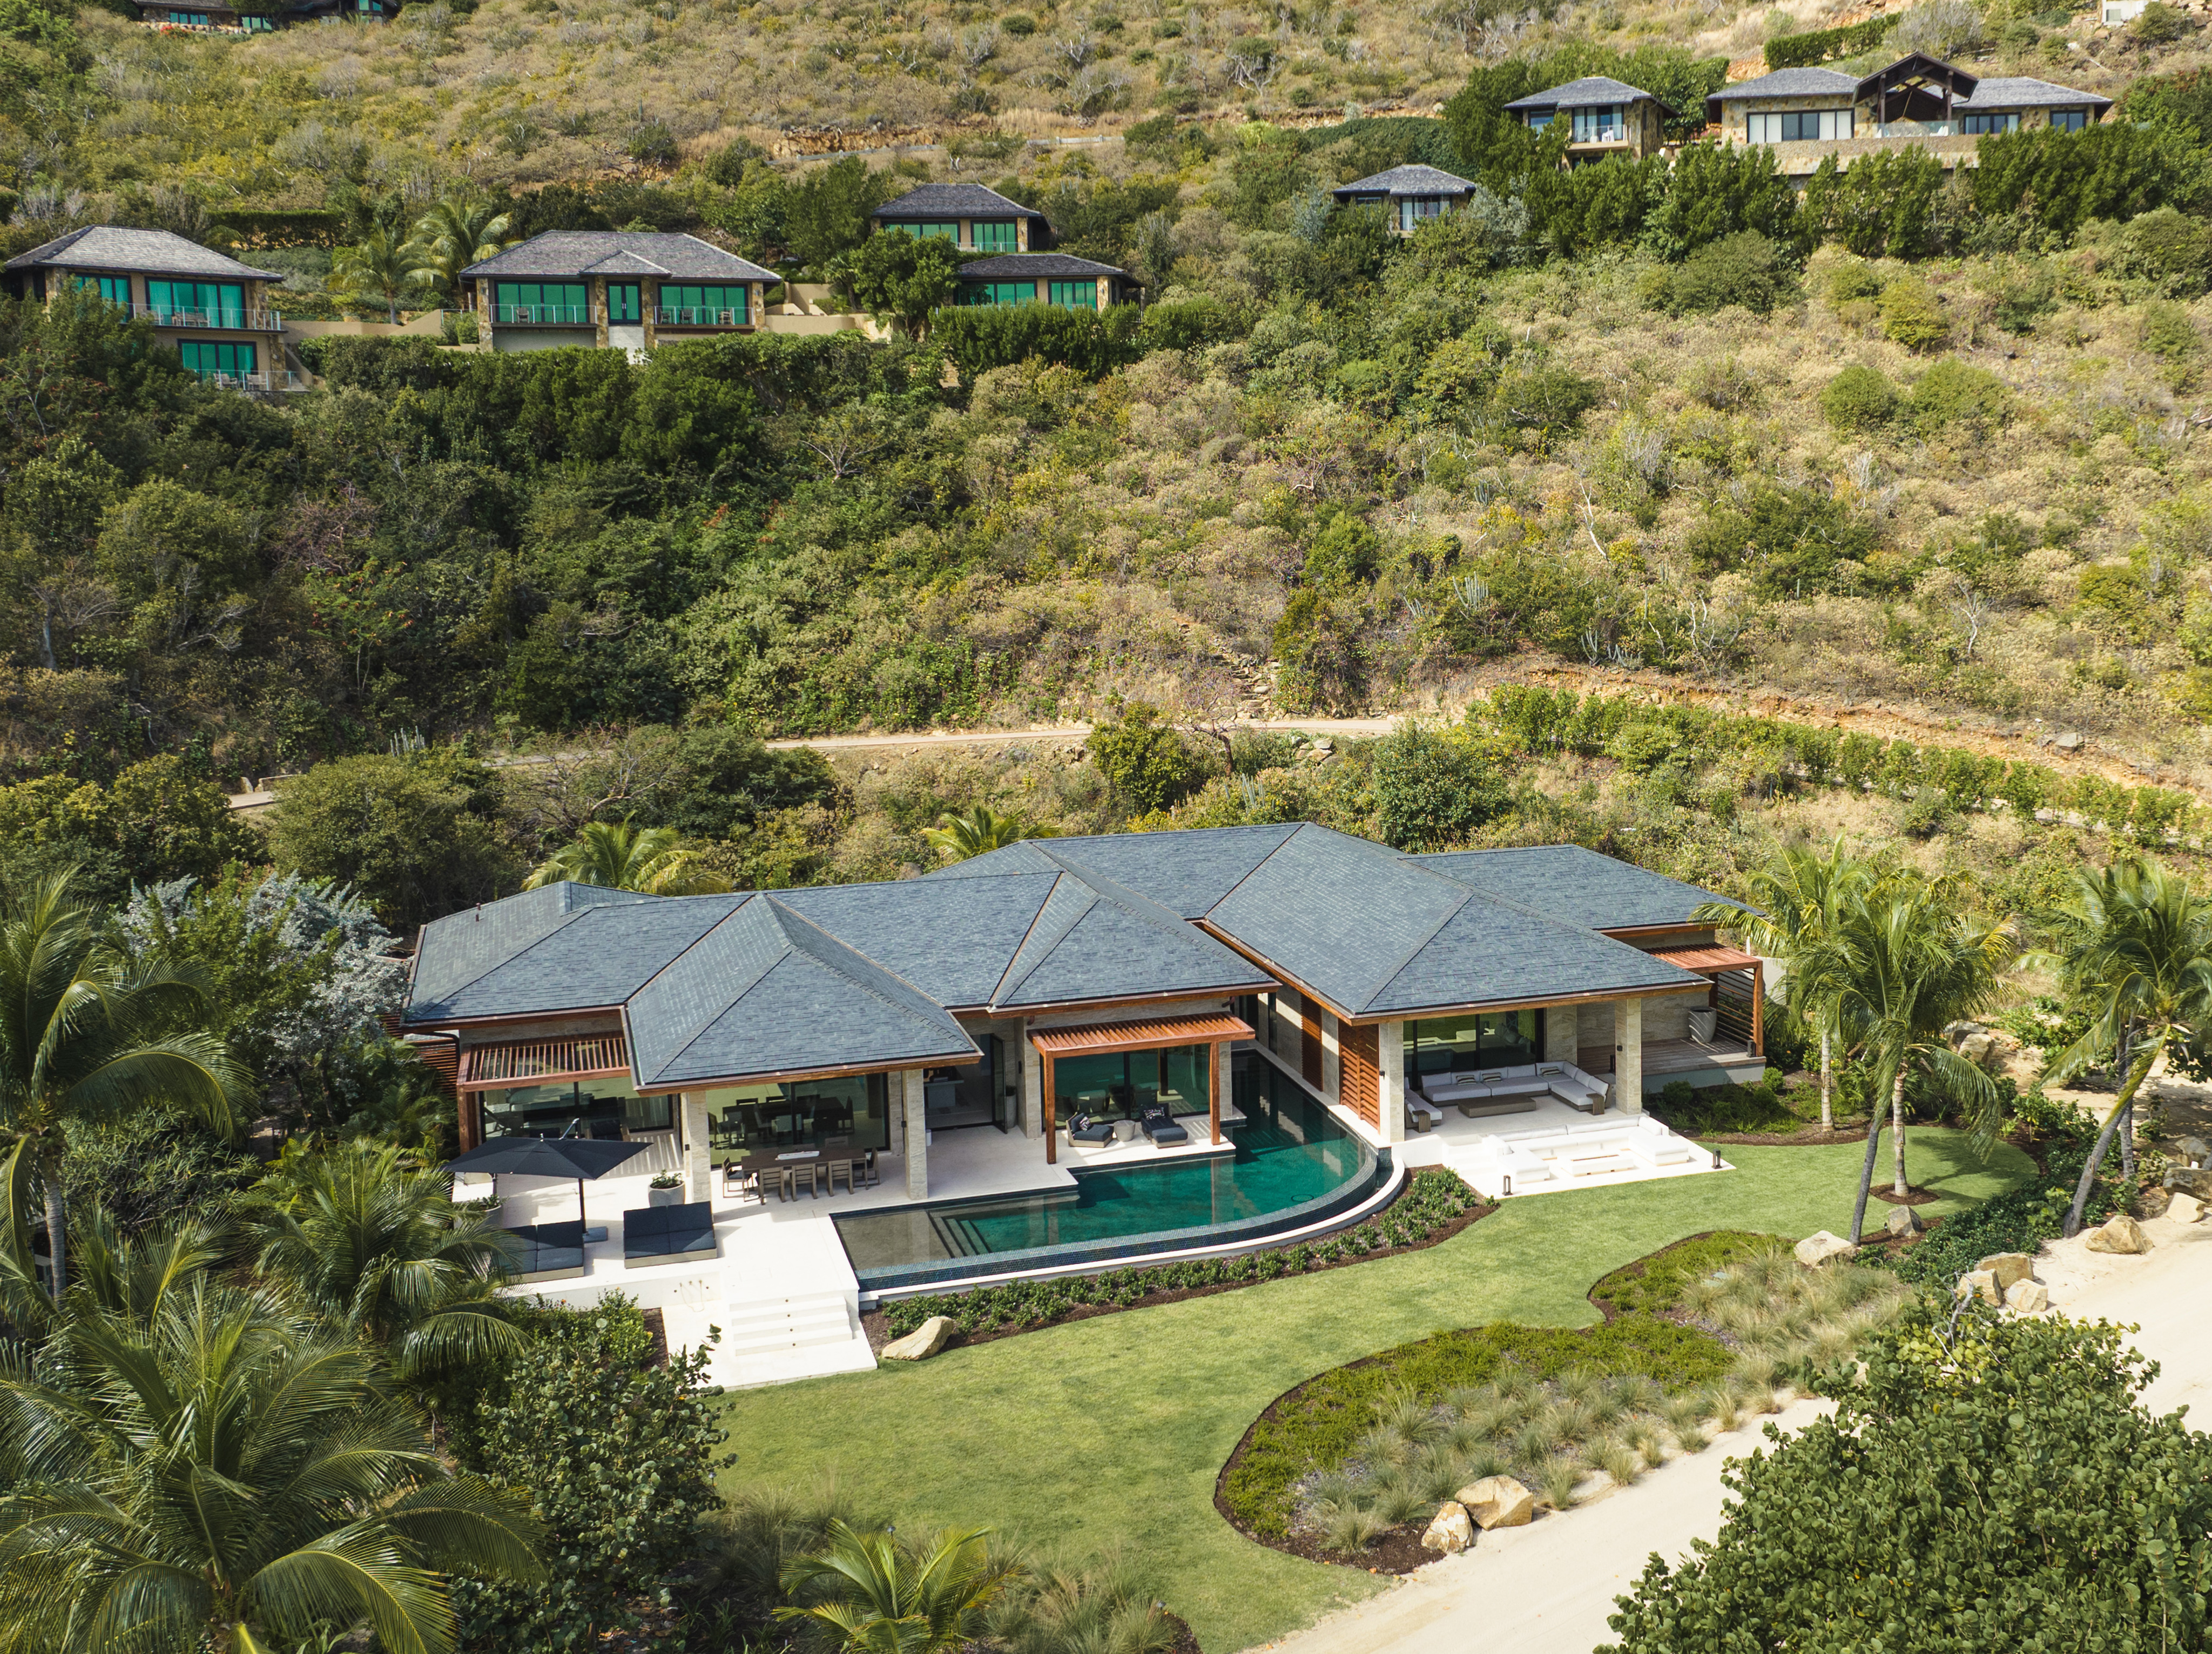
(1110, 1432)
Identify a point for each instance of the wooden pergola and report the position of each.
(1216, 1029)
(1742, 1009)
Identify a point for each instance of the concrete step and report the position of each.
(786, 1323)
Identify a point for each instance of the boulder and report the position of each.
(2068, 742)
(1978, 1283)
(2008, 1267)
(1498, 1502)
(923, 1341)
(2185, 1208)
(1816, 1249)
(1902, 1222)
(2195, 1150)
(2191, 1180)
(2121, 1234)
(1980, 1049)
(2027, 1296)
(1452, 1532)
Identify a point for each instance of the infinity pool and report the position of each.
(1292, 1164)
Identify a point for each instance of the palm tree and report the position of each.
(378, 267)
(626, 858)
(455, 233)
(1798, 898)
(216, 1476)
(2134, 949)
(980, 829)
(78, 1040)
(1905, 960)
(380, 1251)
(892, 1599)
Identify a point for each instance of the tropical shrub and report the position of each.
(1952, 396)
(1744, 269)
(1858, 400)
(1433, 788)
(1144, 758)
(1912, 315)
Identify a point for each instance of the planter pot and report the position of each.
(664, 1197)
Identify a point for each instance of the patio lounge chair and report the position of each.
(1159, 1125)
(1082, 1128)
(549, 1251)
(661, 1234)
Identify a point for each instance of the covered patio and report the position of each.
(1135, 1078)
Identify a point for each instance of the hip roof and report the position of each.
(577, 253)
(158, 252)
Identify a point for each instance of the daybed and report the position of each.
(1159, 1125)
(549, 1251)
(655, 1234)
(1082, 1128)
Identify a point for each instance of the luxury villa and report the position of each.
(212, 310)
(1409, 196)
(1063, 1054)
(1015, 266)
(621, 289)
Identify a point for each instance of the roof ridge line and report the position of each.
(784, 912)
(565, 919)
(1008, 982)
(1028, 930)
(1253, 869)
(745, 901)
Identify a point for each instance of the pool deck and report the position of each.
(1570, 1149)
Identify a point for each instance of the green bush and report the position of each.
(2115, 171)
(1913, 316)
(1144, 758)
(2167, 332)
(1820, 45)
(2168, 248)
(1187, 324)
(1858, 400)
(1715, 192)
(979, 338)
(1952, 397)
(1544, 399)
(1744, 269)
(1855, 278)
(1787, 539)
(1431, 789)
(1699, 1111)
(1883, 206)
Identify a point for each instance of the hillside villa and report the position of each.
(212, 310)
(1017, 267)
(1409, 196)
(1069, 1052)
(621, 289)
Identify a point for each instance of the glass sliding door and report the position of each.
(1474, 1039)
(850, 1111)
(1122, 1084)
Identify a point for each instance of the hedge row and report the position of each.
(1539, 719)
(1432, 1197)
(1819, 45)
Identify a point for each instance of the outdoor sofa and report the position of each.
(1516, 1089)
(549, 1251)
(659, 1234)
(1159, 1125)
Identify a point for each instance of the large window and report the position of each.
(541, 304)
(1973, 125)
(1001, 293)
(623, 304)
(930, 231)
(198, 304)
(1474, 1039)
(1417, 210)
(2069, 120)
(1075, 295)
(703, 306)
(995, 236)
(1602, 125)
(587, 1108)
(209, 357)
(1124, 1084)
(1799, 126)
(116, 289)
(851, 1111)
(973, 1094)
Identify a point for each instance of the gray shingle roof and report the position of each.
(954, 943)
(1790, 84)
(1410, 179)
(953, 201)
(1096, 940)
(575, 253)
(1187, 873)
(766, 992)
(158, 252)
(597, 956)
(2024, 92)
(1592, 91)
(462, 947)
(1023, 266)
(1579, 885)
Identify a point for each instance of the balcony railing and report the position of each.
(545, 315)
(701, 316)
(1601, 135)
(242, 320)
(273, 381)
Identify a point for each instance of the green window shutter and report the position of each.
(1075, 295)
(623, 302)
(995, 236)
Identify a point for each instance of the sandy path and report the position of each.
(1547, 1587)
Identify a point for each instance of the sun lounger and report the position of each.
(1159, 1125)
(664, 1234)
(1083, 1129)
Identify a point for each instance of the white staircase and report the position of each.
(772, 1341)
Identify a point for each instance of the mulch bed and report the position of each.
(1914, 1195)
(1186, 1640)
(1809, 1136)
(657, 1324)
(878, 1332)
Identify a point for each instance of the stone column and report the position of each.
(596, 296)
(648, 311)
(759, 306)
(908, 1081)
(1030, 1120)
(1560, 1043)
(1390, 1079)
(1628, 1056)
(1332, 1062)
(1021, 235)
(698, 1175)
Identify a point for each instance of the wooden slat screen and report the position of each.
(1309, 1042)
(1732, 1000)
(535, 1061)
(1359, 1073)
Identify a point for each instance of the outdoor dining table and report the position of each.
(764, 1162)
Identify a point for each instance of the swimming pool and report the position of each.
(1285, 1164)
